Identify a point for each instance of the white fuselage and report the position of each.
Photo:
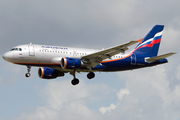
(44, 55)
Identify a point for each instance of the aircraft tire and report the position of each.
(28, 75)
(90, 75)
(75, 81)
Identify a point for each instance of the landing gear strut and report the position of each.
(29, 69)
(75, 81)
(90, 75)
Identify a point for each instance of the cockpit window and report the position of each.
(16, 49)
(12, 49)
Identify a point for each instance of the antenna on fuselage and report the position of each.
(30, 43)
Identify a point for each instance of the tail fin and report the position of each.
(150, 43)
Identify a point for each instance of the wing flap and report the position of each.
(157, 58)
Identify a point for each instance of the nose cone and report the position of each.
(7, 56)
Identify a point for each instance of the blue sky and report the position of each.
(149, 93)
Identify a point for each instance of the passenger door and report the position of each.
(31, 50)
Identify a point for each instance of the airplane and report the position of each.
(55, 61)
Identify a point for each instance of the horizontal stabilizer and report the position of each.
(157, 58)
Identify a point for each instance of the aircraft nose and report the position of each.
(6, 56)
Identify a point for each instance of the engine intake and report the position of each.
(49, 73)
(70, 63)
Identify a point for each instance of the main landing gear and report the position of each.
(90, 75)
(29, 69)
(75, 81)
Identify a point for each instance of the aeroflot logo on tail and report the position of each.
(155, 40)
(55, 47)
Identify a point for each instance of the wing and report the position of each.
(96, 58)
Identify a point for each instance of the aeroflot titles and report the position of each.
(55, 47)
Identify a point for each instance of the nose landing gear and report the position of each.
(27, 74)
(29, 69)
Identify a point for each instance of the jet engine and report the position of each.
(49, 73)
(71, 63)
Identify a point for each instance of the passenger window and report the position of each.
(20, 49)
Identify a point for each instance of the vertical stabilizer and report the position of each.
(150, 43)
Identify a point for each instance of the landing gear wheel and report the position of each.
(75, 81)
(28, 75)
(28, 69)
(90, 75)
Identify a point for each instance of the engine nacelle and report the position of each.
(70, 63)
(49, 73)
